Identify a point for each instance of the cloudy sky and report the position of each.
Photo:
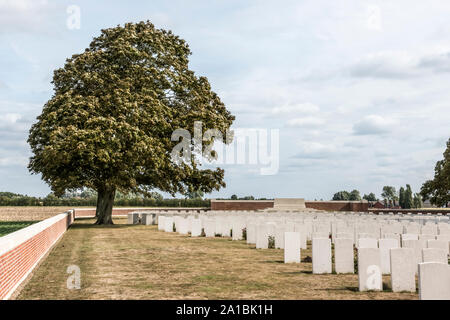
(359, 90)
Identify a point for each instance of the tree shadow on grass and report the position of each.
(298, 272)
(94, 226)
(273, 261)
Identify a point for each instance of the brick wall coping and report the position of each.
(14, 239)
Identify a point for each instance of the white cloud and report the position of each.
(437, 62)
(12, 122)
(25, 15)
(296, 109)
(373, 125)
(390, 64)
(13, 161)
(306, 122)
(10, 118)
(315, 150)
(401, 65)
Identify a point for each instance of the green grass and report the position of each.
(11, 226)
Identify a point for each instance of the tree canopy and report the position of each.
(389, 193)
(370, 197)
(109, 123)
(355, 196)
(437, 190)
(341, 196)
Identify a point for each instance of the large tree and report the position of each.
(438, 189)
(109, 123)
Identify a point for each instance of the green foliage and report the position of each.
(355, 196)
(370, 197)
(402, 197)
(195, 194)
(417, 201)
(438, 189)
(347, 196)
(341, 196)
(14, 199)
(109, 123)
(247, 198)
(408, 197)
(389, 193)
(234, 197)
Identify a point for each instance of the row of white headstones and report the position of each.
(402, 247)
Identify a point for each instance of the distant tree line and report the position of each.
(347, 196)
(89, 198)
(405, 198)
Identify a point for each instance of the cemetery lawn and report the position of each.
(140, 262)
(11, 226)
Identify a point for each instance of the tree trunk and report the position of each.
(105, 202)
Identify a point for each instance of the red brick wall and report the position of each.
(17, 263)
(264, 204)
(241, 204)
(338, 205)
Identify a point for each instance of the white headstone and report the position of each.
(385, 245)
(262, 236)
(403, 269)
(210, 228)
(251, 233)
(238, 226)
(434, 281)
(321, 255)
(427, 237)
(291, 247)
(369, 269)
(279, 236)
(440, 244)
(301, 229)
(367, 243)
(344, 235)
(343, 255)
(429, 229)
(182, 226)
(168, 224)
(417, 245)
(410, 236)
(434, 255)
(161, 223)
(196, 228)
